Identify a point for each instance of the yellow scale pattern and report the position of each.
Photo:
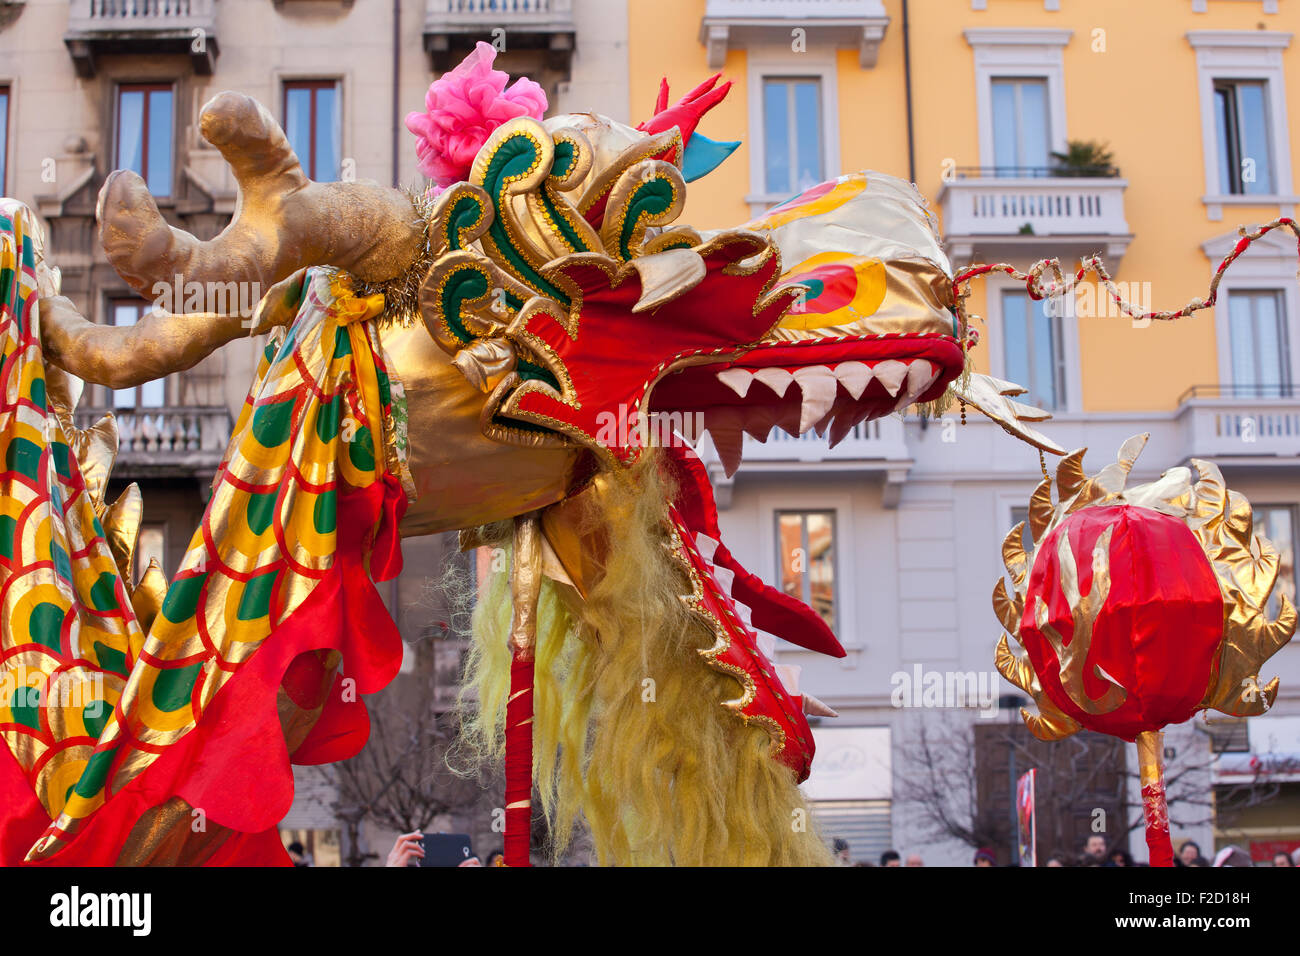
(306, 433)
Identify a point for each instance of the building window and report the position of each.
(1019, 97)
(1257, 335)
(1241, 122)
(1241, 78)
(1021, 127)
(1033, 353)
(150, 394)
(1277, 523)
(792, 134)
(312, 123)
(4, 140)
(144, 133)
(806, 559)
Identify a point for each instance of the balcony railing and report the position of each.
(165, 439)
(451, 27)
(500, 12)
(1034, 206)
(1241, 421)
(139, 14)
(1036, 214)
(793, 9)
(98, 28)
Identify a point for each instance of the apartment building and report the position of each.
(1037, 128)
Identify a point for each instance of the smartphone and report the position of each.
(445, 849)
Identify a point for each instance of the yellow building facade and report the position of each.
(1134, 76)
(1145, 132)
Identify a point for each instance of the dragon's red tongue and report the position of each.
(762, 606)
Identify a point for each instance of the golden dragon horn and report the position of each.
(283, 220)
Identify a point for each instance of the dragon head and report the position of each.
(564, 291)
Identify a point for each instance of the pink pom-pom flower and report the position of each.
(463, 108)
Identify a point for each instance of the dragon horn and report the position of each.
(283, 220)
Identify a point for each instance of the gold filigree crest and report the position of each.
(495, 270)
(666, 145)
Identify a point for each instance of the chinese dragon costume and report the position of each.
(491, 356)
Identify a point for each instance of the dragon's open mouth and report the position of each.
(822, 385)
(871, 332)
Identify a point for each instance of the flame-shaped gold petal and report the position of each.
(1069, 474)
(1050, 724)
(121, 521)
(1041, 510)
(1013, 556)
(1014, 667)
(64, 388)
(1009, 611)
(147, 598)
(1114, 477)
(96, 450)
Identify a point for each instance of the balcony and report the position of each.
(857, 24)
(452, 27)
(98, 28)
(1241, 424)
(168, 441)
(1005, 213)
(872, 447)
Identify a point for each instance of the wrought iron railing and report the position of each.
(1038, 172)
(1239, 390)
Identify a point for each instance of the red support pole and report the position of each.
(1151, 769)
(519, 760)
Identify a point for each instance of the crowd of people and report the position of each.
(1095, 852)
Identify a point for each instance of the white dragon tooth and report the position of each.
(707, 546)
(737, 379)
(766, 645)
(854, 376)
(777, 379)
(818, 385)
(891, 374)
(724, 426)
(760, 421)
(725, 578)
(824, 423)
(730, 453)
(789, 677)
(920, 376)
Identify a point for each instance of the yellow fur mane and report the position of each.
(629, 730)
